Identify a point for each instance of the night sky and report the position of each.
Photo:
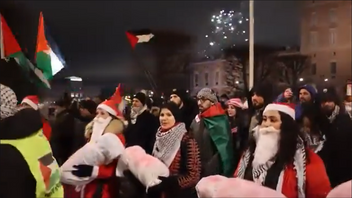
(91, 35)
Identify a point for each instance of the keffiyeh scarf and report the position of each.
(168, 143)
(334, 113)
(8, 102)
(260, 172)
(135, 114)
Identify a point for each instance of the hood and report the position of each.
(23, 124)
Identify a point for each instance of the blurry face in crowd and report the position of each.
(136, 103)
(97, 100)
(288, 93)
(84, 112)
(204, 104)
(304, 96)
(271, 118)
(167, 120)
(231, 110)
(328, 107)
(175, 99)
(102, 114)
(257, 101)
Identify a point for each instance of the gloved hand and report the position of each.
(166, 183)
(83, 170)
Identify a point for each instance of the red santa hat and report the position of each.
(288, 109)
(114, 105)
(32, 101)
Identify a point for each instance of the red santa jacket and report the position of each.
(105, 183)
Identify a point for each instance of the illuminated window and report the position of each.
(217, 77)
(313, 19)
(196, 80)
(332, 16)
(332, 36)
(206, 79)
(313, 39)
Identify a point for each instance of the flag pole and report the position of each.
(251, 44)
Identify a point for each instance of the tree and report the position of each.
(264, 61)
(173, 52)
(292, 64)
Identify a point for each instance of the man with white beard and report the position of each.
(277, 158)
(109, 119)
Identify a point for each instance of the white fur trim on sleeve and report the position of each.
(108, 109)
(282, 108)
(95, 171)
(30, 103)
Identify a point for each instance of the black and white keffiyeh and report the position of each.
(8, 102)
(260, 172)
(168, 143)
(334, 113)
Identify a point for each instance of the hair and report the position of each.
(288, 141)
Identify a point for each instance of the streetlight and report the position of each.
(301, 79)
(251, 43)
(326, 80)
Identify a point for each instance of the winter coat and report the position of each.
(142, 133)
(337, 150)
(62, 136)
(16, 178)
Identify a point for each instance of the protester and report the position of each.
(187, 106)
(142, 125)
(277, 158)
(27, 163)
(109, 119)
(239, 131)
(337, 127)
(179, 151)
(208, 127)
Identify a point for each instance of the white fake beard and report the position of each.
(267, 145)
(99, 125)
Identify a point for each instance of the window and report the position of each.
(196, 80)
(313, 69)
(332, 16)
(332, 36)
(313, 39)
(313, 19)
(206, 79)
(333, 67)
(217, 76)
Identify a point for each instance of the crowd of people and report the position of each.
(297, 143)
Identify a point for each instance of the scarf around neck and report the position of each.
(168, 143)
(135, 114)
(260, 172)
(334, 113)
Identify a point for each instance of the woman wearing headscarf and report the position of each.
(235, 113)
(179, 151)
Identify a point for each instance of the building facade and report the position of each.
(210, 74)
(326, 37)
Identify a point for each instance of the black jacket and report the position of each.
(62, 136)
(16, 179)
(337, 150)
(142, 133)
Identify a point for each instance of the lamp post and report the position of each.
(251, 44)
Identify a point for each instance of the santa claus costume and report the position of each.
(109, 119)
(33, 101)
(277, 158)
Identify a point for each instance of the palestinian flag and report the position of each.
(46, 59)
(11, 49)
(140, 36)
